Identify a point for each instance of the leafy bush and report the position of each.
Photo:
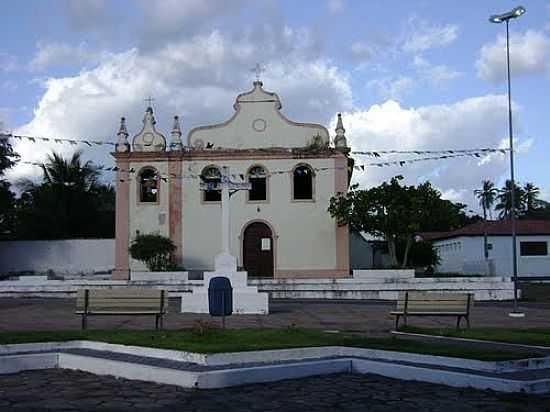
(421, 254)
(154, 250)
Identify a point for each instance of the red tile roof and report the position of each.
(494, 228)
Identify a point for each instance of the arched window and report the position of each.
(211, 176)
(258, 179)
(303, 183)
(148, 185)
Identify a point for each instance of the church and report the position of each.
(279, 226)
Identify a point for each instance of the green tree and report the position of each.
(531, 200)
(504, 197)
(395, 212)
(8, 159)
(67, 203)
(487, 196)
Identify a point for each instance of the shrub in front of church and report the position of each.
(154, 250)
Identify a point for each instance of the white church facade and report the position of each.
(278, 228)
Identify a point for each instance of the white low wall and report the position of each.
(383, 274)
(484, 288)
(60, 256)
(159, 276)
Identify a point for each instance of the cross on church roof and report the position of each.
(258, 69)
(149, 101)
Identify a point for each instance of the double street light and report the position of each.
(505, 18)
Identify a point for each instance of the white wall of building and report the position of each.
(61, 256)
(301, 228)
(464, 254)
(148, 217)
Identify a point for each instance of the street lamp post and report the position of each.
(500, 18)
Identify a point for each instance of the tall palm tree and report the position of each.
(65, 203)
(504, 197)
(59, 171)
(486, 195)
(530, 197)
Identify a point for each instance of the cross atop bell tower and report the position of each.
(258, 69)
(149, 101)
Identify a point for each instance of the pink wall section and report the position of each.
(122, 270)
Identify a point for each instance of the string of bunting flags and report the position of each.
(379, 153)
(373, 153)
(37, 139)
(476, 153)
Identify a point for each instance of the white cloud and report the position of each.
(529, 53)
(361, 50)
(8, 63)
(436, 75)
(58, 54)
(423, 37)
(335, 6)
(197, 79)
(393, 88)
(473, 122)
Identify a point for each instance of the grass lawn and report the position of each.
(538, 336)
(237, 340)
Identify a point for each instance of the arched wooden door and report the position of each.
(258, 250)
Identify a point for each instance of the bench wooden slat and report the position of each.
(122, 301)
(425, 303)
(121, 293)
(117, 312)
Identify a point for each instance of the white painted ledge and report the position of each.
(423, 368)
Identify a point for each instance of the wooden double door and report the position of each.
(258, 250)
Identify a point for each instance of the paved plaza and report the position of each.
(18, 314)
(66, 390)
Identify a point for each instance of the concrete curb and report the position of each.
(535, 363)
(299, 363)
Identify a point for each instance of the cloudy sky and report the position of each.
(406, 75)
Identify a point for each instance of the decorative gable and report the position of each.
(148, 139)
(258, 123)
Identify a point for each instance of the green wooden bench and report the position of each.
(419, 303)
(122, 301)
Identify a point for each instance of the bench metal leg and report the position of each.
(156, 322)
(405, 320)
(458, 318)
(84, 322)
(468, 322)
(396, 322)
(161, 322)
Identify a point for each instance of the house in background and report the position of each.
(368, 252)
(461, 251)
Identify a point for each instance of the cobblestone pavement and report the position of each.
(65, 390)
(365, 316)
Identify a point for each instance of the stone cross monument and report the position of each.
(225, 261)
(246, 299)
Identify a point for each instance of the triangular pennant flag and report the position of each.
(362, 167)
(88, 143)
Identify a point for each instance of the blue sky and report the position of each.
(406, 75)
